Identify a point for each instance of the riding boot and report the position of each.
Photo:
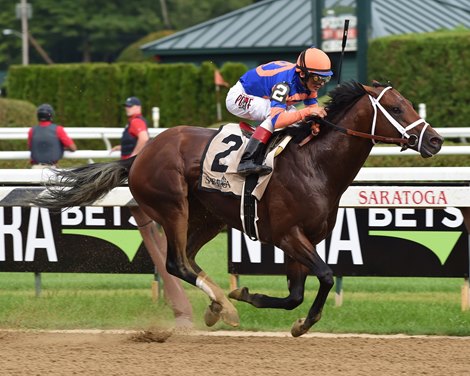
(249, 163)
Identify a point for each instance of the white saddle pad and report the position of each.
(221, 159)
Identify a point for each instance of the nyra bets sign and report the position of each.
(373, 242)
(81, 239)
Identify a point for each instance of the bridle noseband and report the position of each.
(406, 139)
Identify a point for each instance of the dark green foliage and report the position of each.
(429, 68)
(92, 94)
(16, 113)
(133, 53)
(99, 31)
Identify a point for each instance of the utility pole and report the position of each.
(166, 19)
(24, 31)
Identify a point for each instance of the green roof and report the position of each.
(270, 25)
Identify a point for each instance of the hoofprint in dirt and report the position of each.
(97, 352)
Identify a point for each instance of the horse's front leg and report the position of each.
(299, 247)
(325, 277)
(296, 274)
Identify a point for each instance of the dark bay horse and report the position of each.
(297, 211)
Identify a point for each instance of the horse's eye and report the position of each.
(396, 110)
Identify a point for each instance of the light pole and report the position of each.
(33, 41)
(24, 31)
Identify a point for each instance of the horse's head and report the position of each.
(393, 113)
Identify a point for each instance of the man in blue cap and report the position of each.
(133, 140)
(135, 135)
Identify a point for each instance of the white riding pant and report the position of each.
(246, 106)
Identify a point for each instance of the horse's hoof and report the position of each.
(230, 317)
(298, 329)
(212, 314)
(239, 294)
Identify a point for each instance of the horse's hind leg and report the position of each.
(296, 275)
(200, 232)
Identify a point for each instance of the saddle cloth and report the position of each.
(221, 158)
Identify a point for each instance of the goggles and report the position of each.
(319, 79)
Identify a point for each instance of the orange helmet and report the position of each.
(313, 60)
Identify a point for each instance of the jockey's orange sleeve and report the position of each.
(288, 118)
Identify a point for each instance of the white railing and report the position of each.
(92, 133)
(425, 187)
(107, 134)
(366, 175)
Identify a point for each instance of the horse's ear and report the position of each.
(370, 89)
(376, 83)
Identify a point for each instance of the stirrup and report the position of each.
(254, 169)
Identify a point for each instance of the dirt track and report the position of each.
(104, 353)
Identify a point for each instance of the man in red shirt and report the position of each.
(133, 139)
(47, 141)
(135, 135)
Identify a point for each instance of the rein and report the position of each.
(406, 140)
(388, 140)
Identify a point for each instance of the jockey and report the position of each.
(268, 93)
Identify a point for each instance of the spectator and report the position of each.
(134, 138)
(47, 141)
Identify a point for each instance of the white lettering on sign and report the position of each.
(390, 197)
(404, 218)
(117, 216)
(253, 247)
(401, 215)
(91, 219)
(33, 242)
(455, 219)
(71, 216)
(429, 218)
(351, 244)
(38, 217)
(94, 216)
(11, 229)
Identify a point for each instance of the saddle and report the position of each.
(219, 168)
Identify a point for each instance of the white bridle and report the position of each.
(402, 130)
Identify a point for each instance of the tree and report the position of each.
(91, 30)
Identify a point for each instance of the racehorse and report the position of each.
(296, 212)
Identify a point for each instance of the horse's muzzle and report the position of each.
(431, 144)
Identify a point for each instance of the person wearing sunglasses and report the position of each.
(268, 94)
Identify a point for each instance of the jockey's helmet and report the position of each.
(313, 60)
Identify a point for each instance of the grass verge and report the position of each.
(119, 301)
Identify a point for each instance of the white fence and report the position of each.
(92, 133)
(107, 134)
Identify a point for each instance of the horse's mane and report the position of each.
(341, 99)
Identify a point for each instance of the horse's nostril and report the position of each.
(436, 141)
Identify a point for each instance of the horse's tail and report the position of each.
(83, 185)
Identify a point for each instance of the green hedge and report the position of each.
(92, 94)
(431, 68)
(16, 113)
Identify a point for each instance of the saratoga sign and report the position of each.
(402, 197)
(373, 242)
(405, 196)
